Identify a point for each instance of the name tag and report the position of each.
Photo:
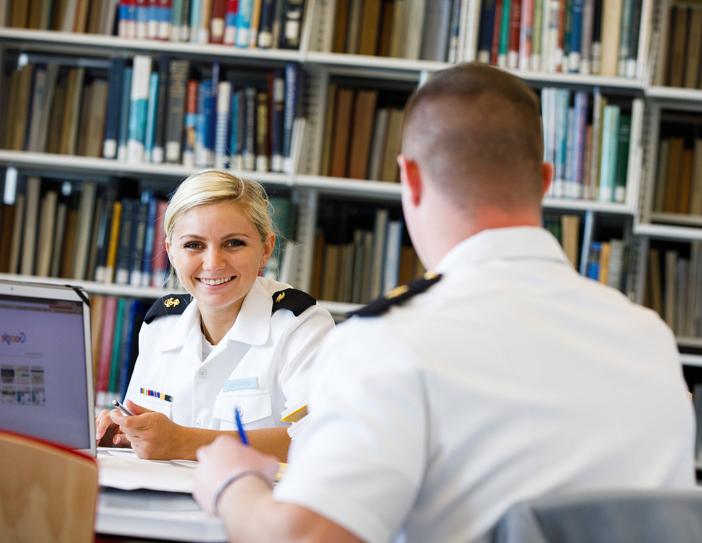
(247, 383)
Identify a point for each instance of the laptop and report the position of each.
(46, 367)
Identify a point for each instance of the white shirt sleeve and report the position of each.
(299, 349)
(360, 458)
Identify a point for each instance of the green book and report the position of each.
(504, 34)
(116, 359)
(622, 157)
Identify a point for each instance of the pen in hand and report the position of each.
(119, 405)
(240, 427)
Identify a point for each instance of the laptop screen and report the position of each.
(44, 368)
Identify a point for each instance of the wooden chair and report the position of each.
(47, 492)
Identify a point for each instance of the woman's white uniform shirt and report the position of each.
(262, 365)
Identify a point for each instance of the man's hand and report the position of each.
(222, 459)
(107, 433)
(152, 435)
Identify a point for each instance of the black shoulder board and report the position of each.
(173, 304)
(396, 296)
(292, 299)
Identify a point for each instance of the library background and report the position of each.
(107, 105)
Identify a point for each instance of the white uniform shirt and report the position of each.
(511, 377)
(262, 365)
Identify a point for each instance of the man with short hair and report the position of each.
(502, 376)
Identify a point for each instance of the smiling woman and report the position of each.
(238, 339)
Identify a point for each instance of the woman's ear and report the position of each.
(268, 247)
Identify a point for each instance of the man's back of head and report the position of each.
(475, 132)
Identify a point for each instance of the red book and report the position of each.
(219, 11)
(160, 257)
(103, 369)
(515, 22)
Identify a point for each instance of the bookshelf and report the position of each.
(635, 88)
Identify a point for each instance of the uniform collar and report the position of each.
(252, 325)
(518, 243)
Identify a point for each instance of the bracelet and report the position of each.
(233, 479)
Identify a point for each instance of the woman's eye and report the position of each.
(235, 243)
(193, 245)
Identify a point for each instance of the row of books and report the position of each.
(360, 252)
(674, 287)
(587, 139)
(605, 258)
(599, 37)
(681, 56)
(580, 36)
(242, 23)
(361, 134)
(52, 230)
(174, 114)
(64, 15)
(115, 324)
(678, 184)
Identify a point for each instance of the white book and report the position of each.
(224, 92)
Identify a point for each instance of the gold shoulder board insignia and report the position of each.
(280, 297)
(171, 302)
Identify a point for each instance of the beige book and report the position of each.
(94, 134)
(672, 180)
(325, 162)
(677, 62)
(81, 16)
(654, 289)
(611, 24)
(96, 314)
(694, 48)
(69, 244)
(353, 27)
(84, 230)
(59, 230)
(605, 249)
(413, 31)
(392, 146)
(380, 136)
(330, 275)
(570, 237)
(74, 91)
(13, 266)
(398, 42)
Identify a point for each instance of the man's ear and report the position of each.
(546, 176)
(411, 178)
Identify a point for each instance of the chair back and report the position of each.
(638, 516)
(47, 492)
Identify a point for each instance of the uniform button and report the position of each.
(202, 373)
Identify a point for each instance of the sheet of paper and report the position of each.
(120, 468)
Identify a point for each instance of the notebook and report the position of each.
(46, 369)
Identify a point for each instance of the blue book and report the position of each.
(291, 97)
(130, 334)
(204, 141)
(213, 120)
(487, 26)
(249, 133)
(150, 137)
(114, 102)
(592, 269)
(235, 156)
(194, 20)
(265, 31)
(243, 23)
(576, 33)
(124, 115)
(147, 266)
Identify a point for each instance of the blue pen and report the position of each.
(240, 427)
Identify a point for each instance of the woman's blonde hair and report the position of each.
(213, 186)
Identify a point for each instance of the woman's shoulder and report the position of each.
(171, 305)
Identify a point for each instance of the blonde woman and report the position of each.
(237, 340)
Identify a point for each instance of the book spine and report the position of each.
(262, 151)
(235, 156)
(164, 20)
(635, 23)
(178, 76)
(115, 358)
(265, 33)
(103, 373)
(190, 124)
(291, 97)
(515, 18)
(138, 108)
(278, 121)
(177, 19)
(249, 153)
(504, 34)
(111, 259)
(576, 27)
(158, 151)
(147, 267)
(124, 115)
(230, 21)
(291, 16)
(204, 143)
(224, 92)
(117, 68)
(217, 22)
(140, 210)
(586, 38)
(124, 247)
(526, 34)
(151, 119)
(243, 23)
(624, 37)
(160, 256)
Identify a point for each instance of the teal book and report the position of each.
(115, 359)
(624, 135)
(608, 163)
(152, 108)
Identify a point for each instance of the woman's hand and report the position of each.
(107, 433)
(152, 435)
